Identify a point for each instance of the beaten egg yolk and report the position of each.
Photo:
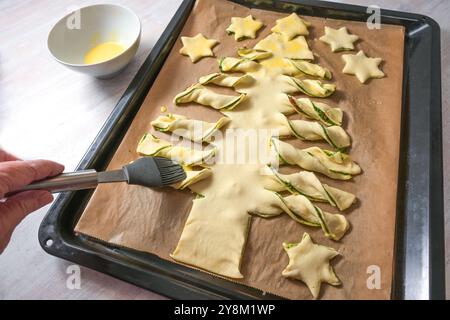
(103, 52)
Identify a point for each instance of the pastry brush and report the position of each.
(152, 172)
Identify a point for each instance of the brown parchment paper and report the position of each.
(152, 221)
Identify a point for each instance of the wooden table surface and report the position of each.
(48, 111)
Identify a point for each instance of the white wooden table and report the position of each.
(47, 111)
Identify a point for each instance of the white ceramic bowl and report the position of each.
(75, 34)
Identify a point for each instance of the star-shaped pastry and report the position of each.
(244, 27)
(292, 26)
(310, 263)
(198, 47)
(362, 67)
(339, 39)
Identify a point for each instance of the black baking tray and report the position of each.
(419, 240)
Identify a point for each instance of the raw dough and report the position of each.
(310, 263)
(194, 130)
(315, 110)
(299, 208)
(254, 54)
(310, 69)
(292, 26)
(192, 176)
(231, 64)
(339, 39)
(362, 67)
(187, 157)
(283, 51)
(314, 131)
(293, 48)
(244, 27)
(225, 80)
(191, 160)
(312, 88)
(336, 165)
(198, 47)
(307, 184)
(199, 94)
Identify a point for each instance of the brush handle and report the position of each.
(80, 180)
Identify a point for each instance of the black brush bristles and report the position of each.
(154, 172)
(169, 171)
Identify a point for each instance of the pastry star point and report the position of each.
(292, 26)
(198, 47)
(339, 39)
(310, 263)
(244, 27)
(362, 66)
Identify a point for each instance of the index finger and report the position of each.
(17, 174)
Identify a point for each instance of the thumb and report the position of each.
(17, 207)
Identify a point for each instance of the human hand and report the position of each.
(16, 174)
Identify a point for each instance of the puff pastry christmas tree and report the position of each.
(261, 83)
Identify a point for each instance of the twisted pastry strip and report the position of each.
(155, 147)
(199, 94)
(311, 69)
(313, 131)
(302, 210)
(299, 66)
(319, 111)
(188, 158)
(307, 184)
(194, 130)
(231, 64)
(299, 208)
(336, 165)
(312, 88)
(224, 80)
(192, 176)
(254, 54)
